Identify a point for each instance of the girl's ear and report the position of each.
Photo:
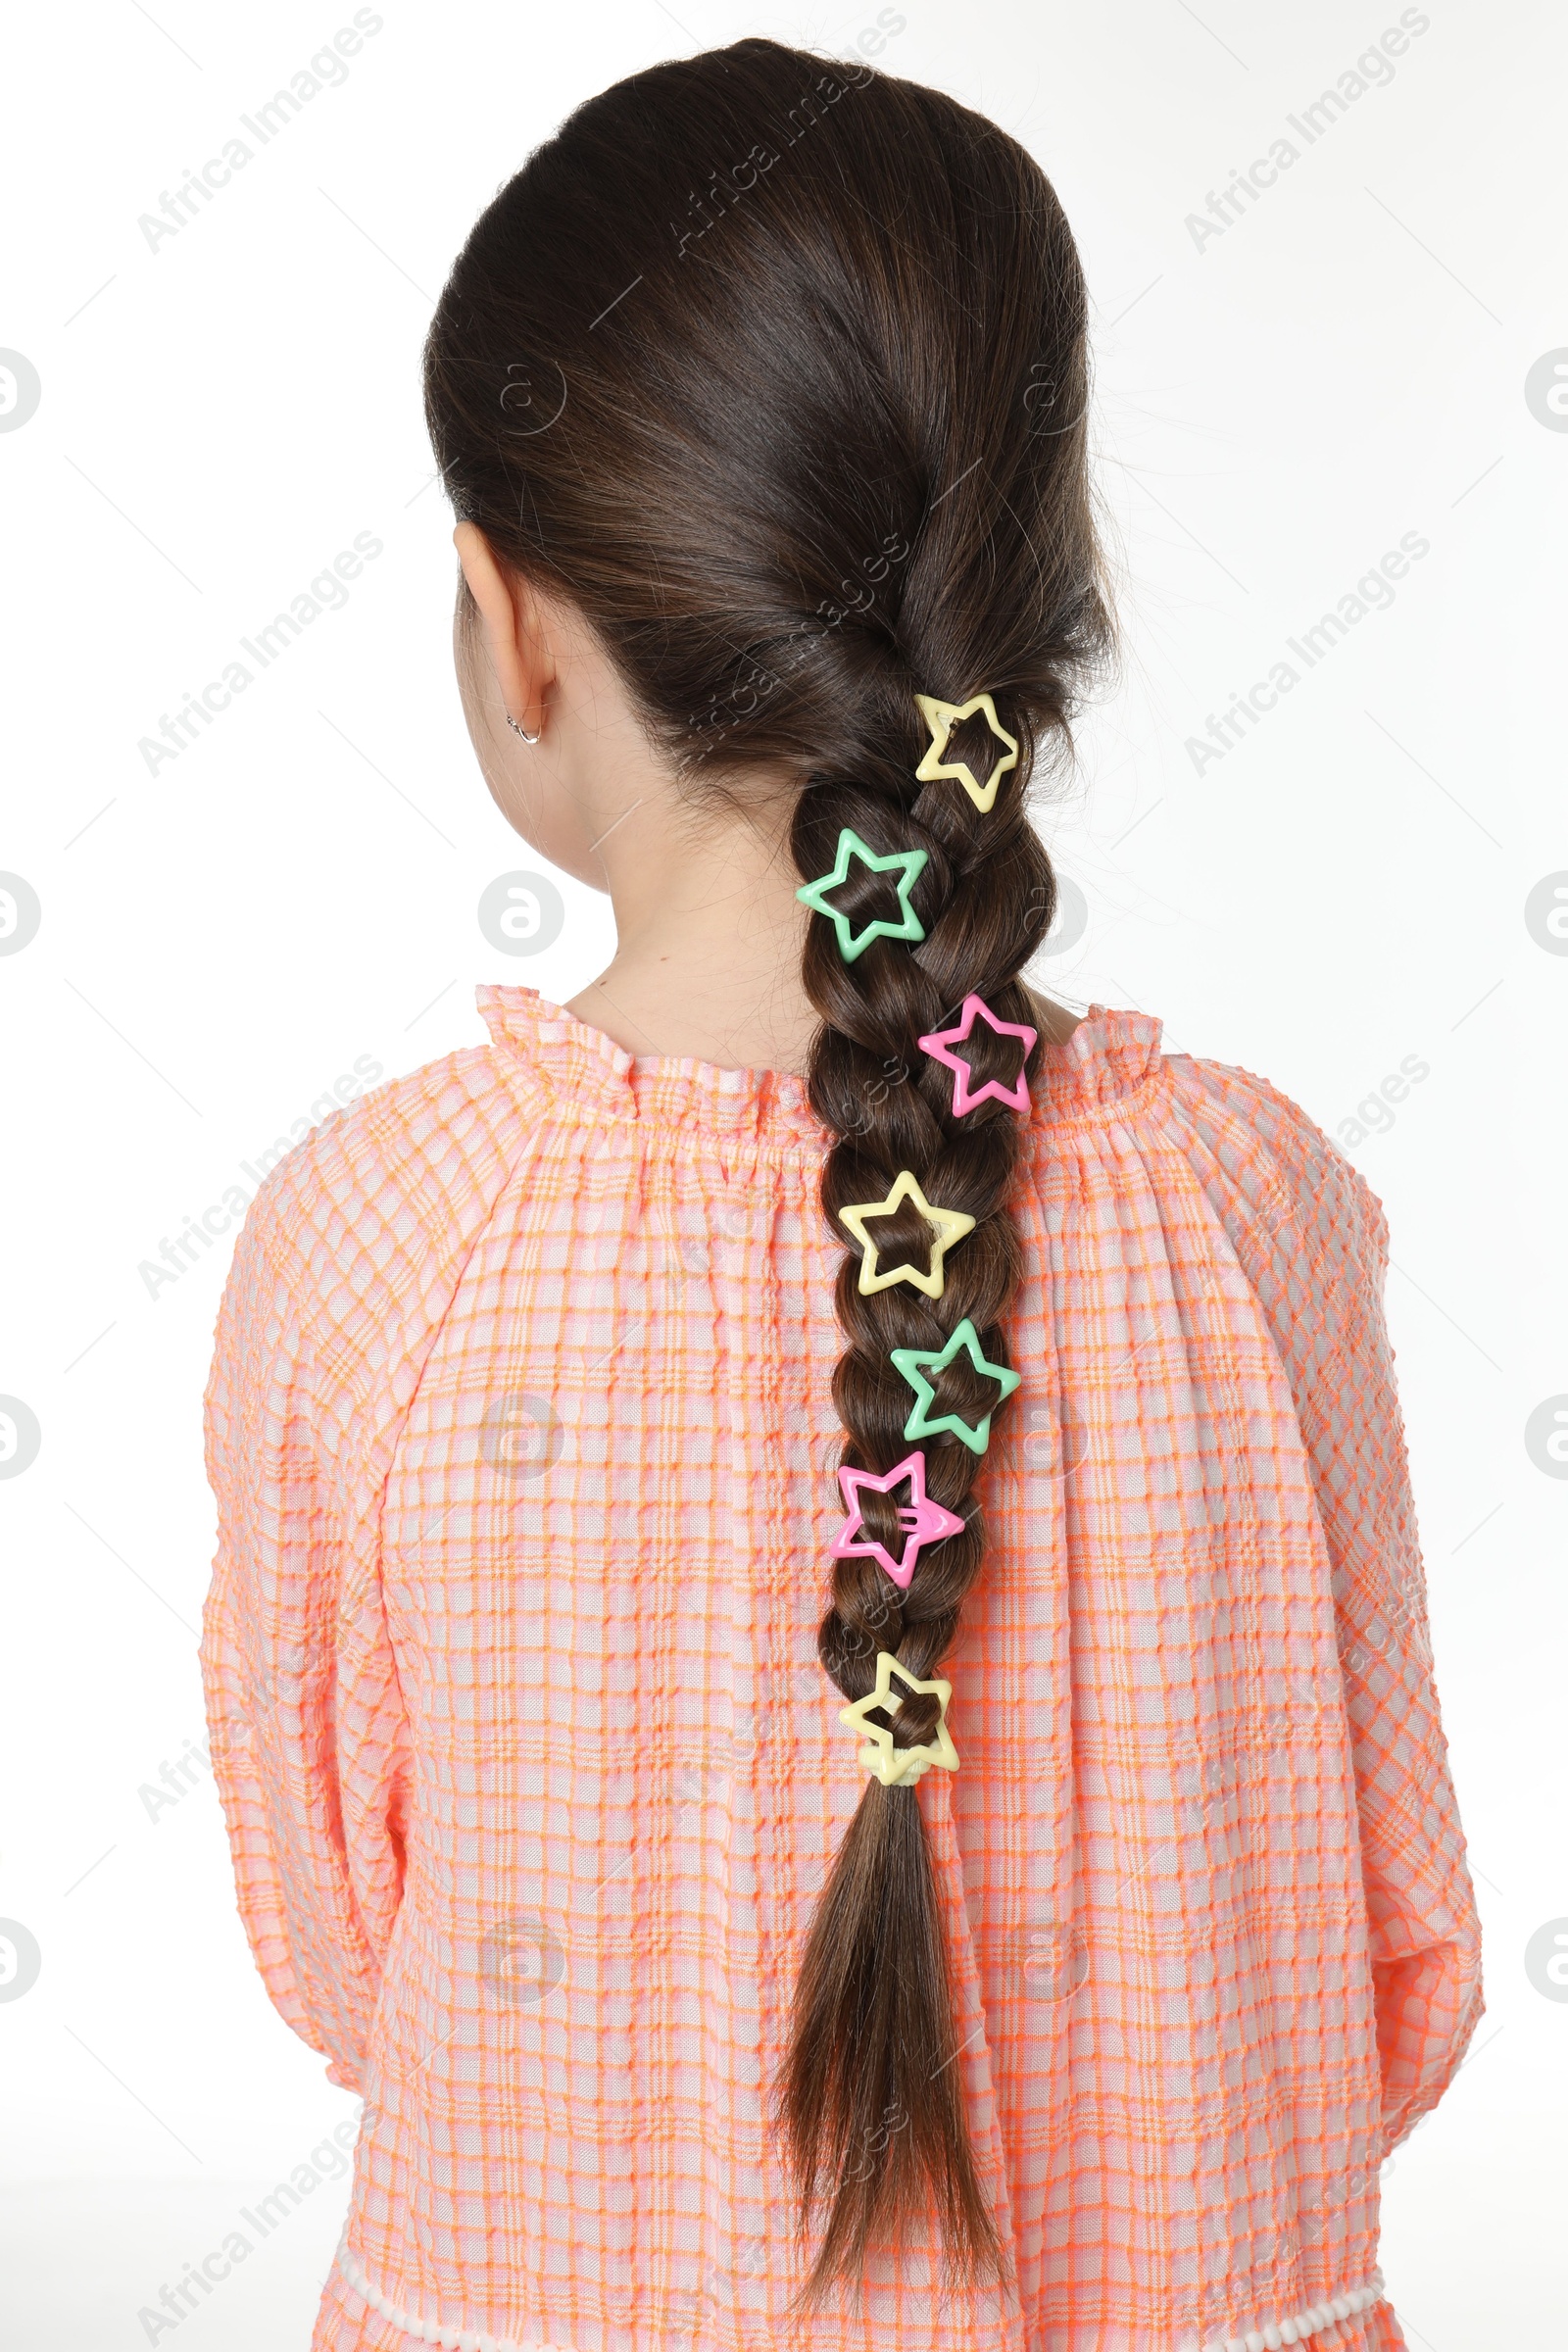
(515, 634)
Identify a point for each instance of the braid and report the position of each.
(870, 2068)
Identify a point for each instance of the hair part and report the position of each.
(799, 442)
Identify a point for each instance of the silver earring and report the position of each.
(518, 728)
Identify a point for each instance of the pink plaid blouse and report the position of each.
(521, 1431)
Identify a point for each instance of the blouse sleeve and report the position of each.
(308, 1734)
(1331, 1265)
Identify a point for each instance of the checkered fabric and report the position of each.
(520, 1429)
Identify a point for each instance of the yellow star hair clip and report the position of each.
(941, 717)
(947, 1225)
(894, 1766)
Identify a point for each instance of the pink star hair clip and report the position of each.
(939, 1047)
(922, 1520)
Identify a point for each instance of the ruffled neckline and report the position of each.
(1110, 1054)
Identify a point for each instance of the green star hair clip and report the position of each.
(916, 1362)
(815, 894)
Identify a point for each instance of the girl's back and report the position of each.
(551, 1779)
(818, 1660)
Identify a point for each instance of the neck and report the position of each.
(710, 935)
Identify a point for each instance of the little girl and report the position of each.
(818, 1660)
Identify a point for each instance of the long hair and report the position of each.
(777, 371)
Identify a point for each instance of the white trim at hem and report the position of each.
(425, 2331)
(1302, 2326)
(1299, 2328)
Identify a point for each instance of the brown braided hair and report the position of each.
(777, 369)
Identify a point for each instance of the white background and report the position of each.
(1277, 406)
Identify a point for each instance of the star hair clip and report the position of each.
(946, 1226)
(941, 717)
(922, 1519)
(910, 864)
(914, 1363)
(966, 1096)
(896, 1767)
